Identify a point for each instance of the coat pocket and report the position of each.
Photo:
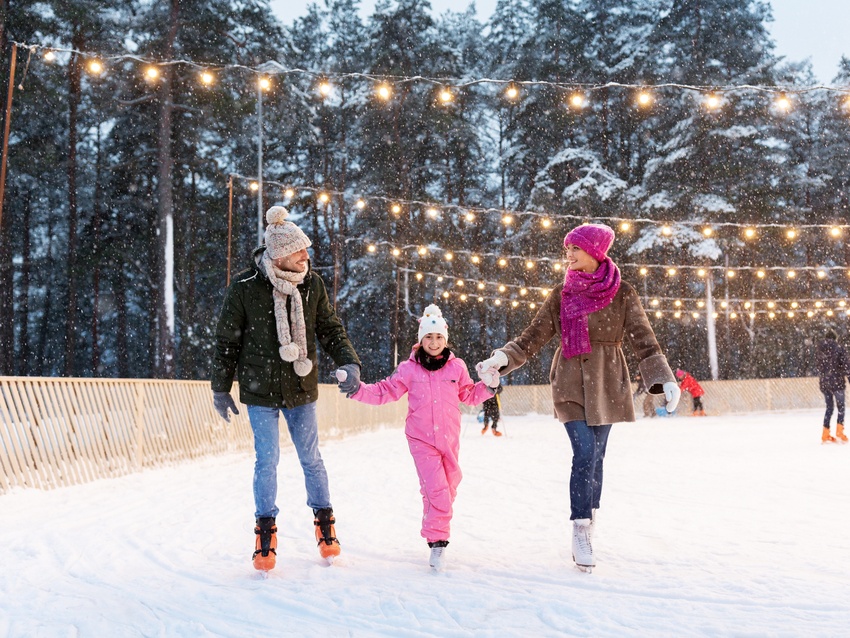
(258, 375)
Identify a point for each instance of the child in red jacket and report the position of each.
(689, 384)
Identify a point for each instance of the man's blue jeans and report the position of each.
(304, 431)
(589, 443)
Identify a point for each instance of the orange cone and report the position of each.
(326, 533)
(839, 433)
(826, 438)
(265, 552)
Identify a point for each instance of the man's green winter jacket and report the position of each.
(246, 342)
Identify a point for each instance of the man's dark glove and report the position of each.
(348, 378)
(223, 401)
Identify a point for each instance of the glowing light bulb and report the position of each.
(49, 56)
(556, 267)
(151, 73)
(577, 100)
(448, 256)
(384, 91)
(529, 264)
(523, 291)
(514, 304)
(791, 234)
(422, 251)
(396, 209)
(821, 274)
(95, 66)
(372, 248)
(502, 288)
(324, 198)
(432, 213)
(476, 259)
(730, 273)
(207, 78)
(360, 204)
(701, 272)
(255, 186)
(644, 271)
(289, 193)
(791, 274)
(644, 98)
(835, 231)
(712, 102)
(325, 88)
(671, 272)
(419, 276)
(507, 220)
(470, 217)
(264, 83)
(503, 262)
(749, 233)
(708, 231)
(512, 93)
(459, 283)
(446, 96)
(666, 231)
(783, 104)
(625, 226)
(760, 274)
(546, 222)
(396, 252)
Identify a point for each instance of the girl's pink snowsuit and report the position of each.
(432, 428)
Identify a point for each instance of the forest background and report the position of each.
(108, 171)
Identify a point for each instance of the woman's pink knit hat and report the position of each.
(594, 239)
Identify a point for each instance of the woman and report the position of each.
(591, 313)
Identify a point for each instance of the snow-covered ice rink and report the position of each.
(717, 526)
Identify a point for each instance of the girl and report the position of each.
(435, 380)
(591, 314)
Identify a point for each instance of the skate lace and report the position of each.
(583, 539)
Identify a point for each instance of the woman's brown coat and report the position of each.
(595, 387)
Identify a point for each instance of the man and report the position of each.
(266, 334)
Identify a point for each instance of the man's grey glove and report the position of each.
(348, 378)
(223, 401)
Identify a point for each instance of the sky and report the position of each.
(728, 525)
(815, 29)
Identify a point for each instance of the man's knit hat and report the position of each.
(594, 239)
(283, 238)
(432, 321)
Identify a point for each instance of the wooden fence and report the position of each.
(56, 431)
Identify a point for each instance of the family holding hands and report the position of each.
(274, 313)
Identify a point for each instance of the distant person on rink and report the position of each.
(648, 399)
(492, 412)
(833, 367)
(436, 382)
(689, 384)
(590, 315)
(272, 315)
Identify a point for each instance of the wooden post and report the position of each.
(6, 129)
(229, 222)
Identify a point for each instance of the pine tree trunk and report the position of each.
(74, 72)
(165, 214)
(23, 305)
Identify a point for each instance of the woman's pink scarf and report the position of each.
(584, 293)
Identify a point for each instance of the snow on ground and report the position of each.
(714, 526)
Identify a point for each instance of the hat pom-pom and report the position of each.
(432, 311)
(276, 215)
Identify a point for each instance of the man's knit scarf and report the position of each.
(291, 331)
(583, 294)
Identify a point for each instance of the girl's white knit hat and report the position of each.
(432, 321)
(283, 238)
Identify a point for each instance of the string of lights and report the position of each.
(732, 311)
(396, 206)
(503, 260)
(479, 284)
(579, 93)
